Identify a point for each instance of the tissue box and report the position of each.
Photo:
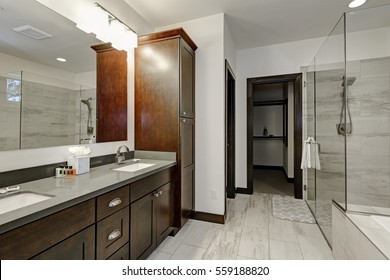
(81, 164)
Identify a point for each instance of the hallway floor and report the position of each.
(250, 232)
(272, 182)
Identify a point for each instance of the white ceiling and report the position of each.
(254, 23)
(67, 41)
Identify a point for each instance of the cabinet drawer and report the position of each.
(111, 202)
(112, 233)
(31, 239)
(80, 246)
(121, 254)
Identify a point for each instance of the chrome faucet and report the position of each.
(119, 158)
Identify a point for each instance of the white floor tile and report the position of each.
(254, 243)
(223, 246)
(200, 234)
(282, 230)
(188, 252)
(314, 248)
(156, 255)
(283, 250)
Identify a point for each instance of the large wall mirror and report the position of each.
(45, 102)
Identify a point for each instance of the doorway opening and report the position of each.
(230, 134)
(274, 134)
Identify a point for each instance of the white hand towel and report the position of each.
(310, 155)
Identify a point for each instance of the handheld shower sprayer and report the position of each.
(89, 121)
(344, 127)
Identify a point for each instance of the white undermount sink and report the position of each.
(21, 199)
(134, 167)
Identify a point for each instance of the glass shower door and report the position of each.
(330, 127)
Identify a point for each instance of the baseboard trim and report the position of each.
(207, 217)
(271, 167)
(243, 191)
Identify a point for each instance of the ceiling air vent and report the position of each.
(32, 32)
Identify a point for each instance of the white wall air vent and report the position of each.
(32, 32)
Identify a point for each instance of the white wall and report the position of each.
(208, 35)
(265, 61)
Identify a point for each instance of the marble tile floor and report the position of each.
(250, 232)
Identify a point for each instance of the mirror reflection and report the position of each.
(47, 78)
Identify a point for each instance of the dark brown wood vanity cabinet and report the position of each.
(151, 213)
(67, 234)
(112, 227)
(165, 107)
(111, 93)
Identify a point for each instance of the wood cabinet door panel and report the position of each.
(187, 134)
(187, 190)
(80, 246)
(33, 238)
(164, 212)
(156, 96)
(142, 241)
(187, 93)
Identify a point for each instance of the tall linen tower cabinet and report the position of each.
(165, 108)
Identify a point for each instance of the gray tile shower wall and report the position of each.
(368, 147)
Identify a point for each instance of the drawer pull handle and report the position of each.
(114, 235)
(114, 202)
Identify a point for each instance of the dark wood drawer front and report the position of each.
(80, 246)
(111, 202)
(29, 240)
(144, 186)
(121, 254)
(112, 233)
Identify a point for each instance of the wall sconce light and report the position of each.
(107, 27)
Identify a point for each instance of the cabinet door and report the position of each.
(142, 241)
(187, 92)
(80, 246)
(187, 193)
(187, 158)
(187, 137)
(163, 214)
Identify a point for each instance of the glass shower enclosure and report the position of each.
(347, 111)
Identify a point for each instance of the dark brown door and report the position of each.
(163, 212)
(230, 133)
(80, 246)
(142, 235)
(187, 131)
(187, 93)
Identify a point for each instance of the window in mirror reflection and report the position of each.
(13, 90)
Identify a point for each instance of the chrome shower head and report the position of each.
(86, 101)
(350, 81)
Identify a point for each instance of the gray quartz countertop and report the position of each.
(71, 191)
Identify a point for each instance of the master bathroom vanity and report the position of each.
(104, 214)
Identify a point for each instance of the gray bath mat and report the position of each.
(291, 209)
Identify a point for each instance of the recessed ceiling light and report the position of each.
(61, 59)
(356, 3)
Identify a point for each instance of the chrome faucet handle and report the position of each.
(119, 158)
